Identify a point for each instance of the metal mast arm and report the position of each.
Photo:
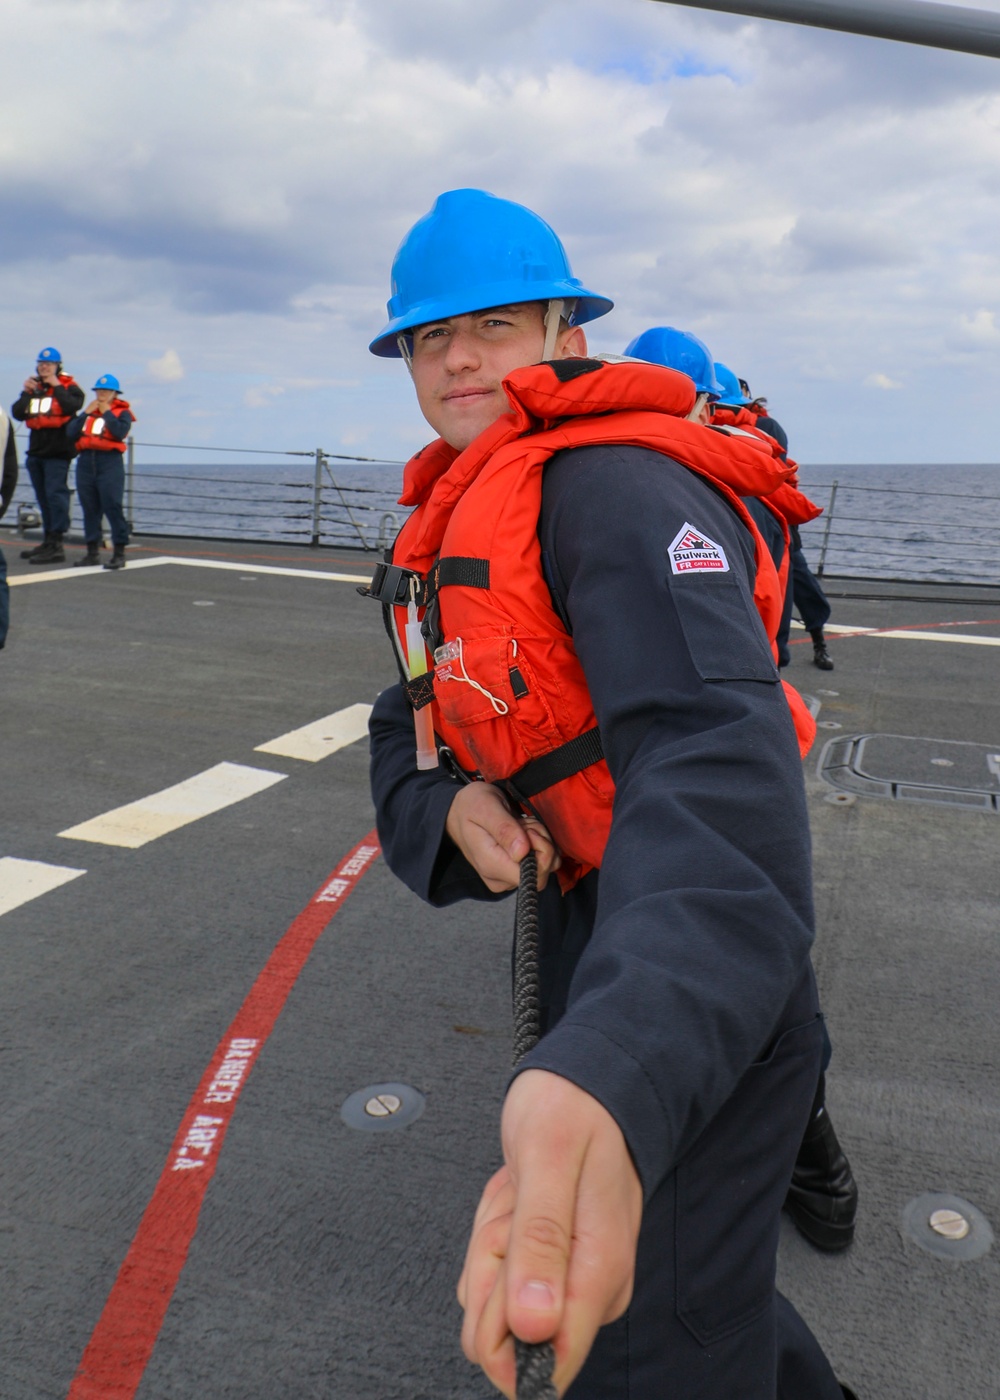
(909, 21)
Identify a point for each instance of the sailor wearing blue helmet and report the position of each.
(649, 1137)
(47, 402)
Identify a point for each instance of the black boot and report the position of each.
(30, 553)
(51, 552)
(821, 657)
(823, 1196)
(92, 557)
(117, 560)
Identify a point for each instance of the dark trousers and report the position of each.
(806, 592)
(49, 480)
(4, 601)
(100, 484)
(706, 1322)
(810, 600)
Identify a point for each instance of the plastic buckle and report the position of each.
(391, 584)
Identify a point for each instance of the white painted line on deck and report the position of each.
(24, 880)
(157, 560)
(906, 635)
(266, 569)
(138, 822)
(53, 575)
(324, 736)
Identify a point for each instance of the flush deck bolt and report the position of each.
(950, 1224)
(382, 1105)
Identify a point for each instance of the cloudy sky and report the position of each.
(205, 199)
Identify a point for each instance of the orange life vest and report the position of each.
(94, 438)
(44, 410)
(510, 696)
(788, 503)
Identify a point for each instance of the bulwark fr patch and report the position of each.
(692, 552)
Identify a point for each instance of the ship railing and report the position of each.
(201, 501)
(864, 532)
(895, 532)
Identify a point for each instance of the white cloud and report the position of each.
(262, 395)
(980, 329)
(167, 369)
(882, 381)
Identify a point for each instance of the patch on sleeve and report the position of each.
(692, 551)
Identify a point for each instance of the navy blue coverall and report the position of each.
(676, 982)
(100, 479)
(49, 455)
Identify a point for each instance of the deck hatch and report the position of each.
(911, 769)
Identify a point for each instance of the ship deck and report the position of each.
(324, 1258)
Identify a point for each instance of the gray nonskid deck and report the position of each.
(325, 1259)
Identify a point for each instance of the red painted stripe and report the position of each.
(122, 1342)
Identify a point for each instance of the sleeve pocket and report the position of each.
(723, 630)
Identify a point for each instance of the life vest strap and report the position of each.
(564, 762)
(420, 690)
(453, 571)
(391, 584)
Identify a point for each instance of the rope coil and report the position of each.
(535, 1361)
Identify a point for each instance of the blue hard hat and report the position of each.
(472, 251)
(50, 355)
(663, 345)
(732, 394)
(108, 381)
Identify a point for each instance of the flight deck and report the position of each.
(252, 1084)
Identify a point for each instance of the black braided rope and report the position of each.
(527, 1008)
(535, 1361)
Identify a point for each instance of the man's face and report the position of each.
(104, 398)
(45, 370)
(459, 365)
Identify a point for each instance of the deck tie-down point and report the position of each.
(947, 1226)
(383, 1107)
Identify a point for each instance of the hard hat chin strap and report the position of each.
(403, 346)
(553, 316)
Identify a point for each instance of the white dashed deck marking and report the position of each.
(158, 560)
(138, 822)
(906, 635)
(24, 880)
(324, 736)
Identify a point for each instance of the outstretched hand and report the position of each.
(494, 841)
(552, 1252)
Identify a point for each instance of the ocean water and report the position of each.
(932, 523)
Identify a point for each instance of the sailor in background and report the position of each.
(805, 589)
(8, 482)
(100, 434)
(48, 401)
(594, 594)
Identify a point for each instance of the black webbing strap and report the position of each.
(420, 690)
(570, 758)
(452, 570)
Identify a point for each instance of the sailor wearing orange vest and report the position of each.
(100, 432)
(804, 589)
(598, 602)
(48, 401)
